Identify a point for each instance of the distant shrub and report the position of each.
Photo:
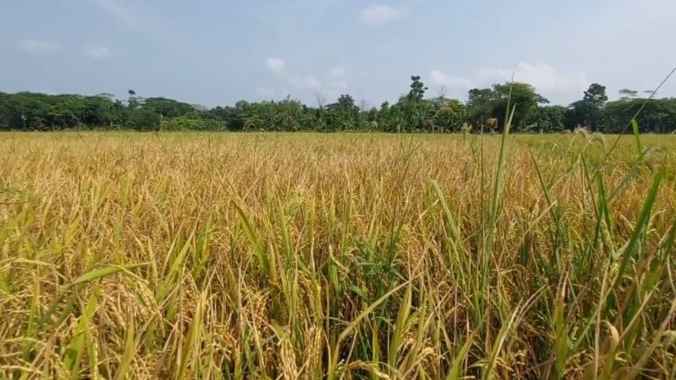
(185, 123)
(144, 120)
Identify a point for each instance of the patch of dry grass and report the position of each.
(234, 256)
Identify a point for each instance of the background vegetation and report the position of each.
(353, 256)
(413, 112)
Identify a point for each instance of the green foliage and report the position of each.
(548, 119)
(485, 104)
(485, 109)
(596, 95)
(588, 112)
(658, 115)
(31, 111)
(418, 89)
(168, 107)
(450, 116)
(481, 105)
(413, 111)
(186, 123)
(342, 115)
(520, 95)
(144, 120)
(285, 115)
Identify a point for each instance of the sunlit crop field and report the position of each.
(353, 256)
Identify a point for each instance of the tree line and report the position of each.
(485, 109)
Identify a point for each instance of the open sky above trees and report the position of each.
(216, 53)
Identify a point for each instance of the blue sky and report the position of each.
(213, 52)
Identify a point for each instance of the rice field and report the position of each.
(337, 256)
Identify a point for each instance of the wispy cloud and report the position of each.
(118, 9)
(97, 52)
(379, 14)
(327, 86)
(304, 82)
(548, 80)
(38, 47)
(276, 65)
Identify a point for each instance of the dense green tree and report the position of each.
(596, 95)
(481, 105)
(231, 118)
(657, 115)
(191, 122)
(168, 107)
(522, 98)
(416, 112)
(342, 115)
(144, 120)
(485, 104)
(4, 111)
(371, 119)
(450, 114)
(418, 88)
(288, 115)
(97, 111)
(548, 119)
(28, 111)
(588, 111)
(389, 117)
(412, 112)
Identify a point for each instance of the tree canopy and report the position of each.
(413, 112)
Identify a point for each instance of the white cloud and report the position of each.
(119, 9)
(298, 82)
(548, 80)
(276, 65)
(37, 47)
(378, 14)
(327, 86)
(97, 52)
